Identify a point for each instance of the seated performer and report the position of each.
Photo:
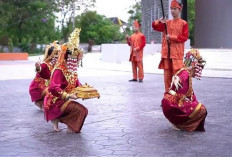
(39, 85)
(180, 105)
(58, 105)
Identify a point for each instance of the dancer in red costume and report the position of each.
(180, 105)
(59, 106)
(40, 83)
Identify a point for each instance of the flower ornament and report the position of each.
(193, 59)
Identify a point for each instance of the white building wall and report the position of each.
(213, 24)
(117, 53)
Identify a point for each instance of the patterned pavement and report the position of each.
(126, 121)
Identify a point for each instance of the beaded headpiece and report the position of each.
(73, 42)
(193, 59)
(71, 51)
(51, 56)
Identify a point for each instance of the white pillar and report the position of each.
(169, 11)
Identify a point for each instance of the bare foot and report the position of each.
(38, 104)
(55, 124)
(175, 128)
(69, 130)
(42, 109)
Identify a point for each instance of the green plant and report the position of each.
(97, 28)
(10, 45)
(191, 20)
(25, 47)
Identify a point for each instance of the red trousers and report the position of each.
(170, 68)
(137, 69)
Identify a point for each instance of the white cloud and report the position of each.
(114, 8)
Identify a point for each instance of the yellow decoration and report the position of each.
(54, 52)
(119, 21)
(73, 43)
(86, 92)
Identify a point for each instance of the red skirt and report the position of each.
(74, 116)
(189, 122)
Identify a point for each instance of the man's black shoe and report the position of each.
(133, 80)
(140, 80)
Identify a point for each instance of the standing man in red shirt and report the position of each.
(137, 41)
(177, 34)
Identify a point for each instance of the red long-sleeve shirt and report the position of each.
(137, 41)
(178, 31)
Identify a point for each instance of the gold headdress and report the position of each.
(73, 43)
(86, 91)
(193, 59)
(54, 51)
(71, 46)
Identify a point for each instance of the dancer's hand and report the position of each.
(73, 95)
(37, 65)
(172, 92)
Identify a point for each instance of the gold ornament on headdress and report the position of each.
(73, 42)
(73, 46)
(54, 52)
(46, 52)
(192, 57)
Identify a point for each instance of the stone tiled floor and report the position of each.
(126, 121)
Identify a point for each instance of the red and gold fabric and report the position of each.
(63, 80)
(57, 106)
(74, 115)
(62, 83)
(40, 83)
(182, 109)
